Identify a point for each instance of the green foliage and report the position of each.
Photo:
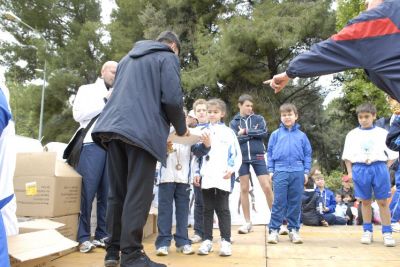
(334, 180)
(348, 9)
(74, 54)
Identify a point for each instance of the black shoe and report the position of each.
(139, 260)
(112, 258)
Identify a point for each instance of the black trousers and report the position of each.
(216, 200)
(131, 171)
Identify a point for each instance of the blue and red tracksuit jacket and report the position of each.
(370, 41)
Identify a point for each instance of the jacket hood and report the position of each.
(145, 47)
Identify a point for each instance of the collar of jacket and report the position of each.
(296, 126)
(239, 117)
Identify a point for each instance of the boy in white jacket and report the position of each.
(223, 159)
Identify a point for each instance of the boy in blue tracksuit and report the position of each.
(251, 130)
(289, 162)
(327, 199)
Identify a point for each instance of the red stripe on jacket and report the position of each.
(367, 29)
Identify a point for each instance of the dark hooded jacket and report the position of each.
(146, 98)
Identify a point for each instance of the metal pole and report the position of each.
(42, 99)
(11, 16)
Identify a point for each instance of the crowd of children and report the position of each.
(300, 196)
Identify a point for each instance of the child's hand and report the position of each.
(196, 181)
(305, 179)
(241, 131)
(170, 147)
(326, 209)
(227, 175)
(205, 139)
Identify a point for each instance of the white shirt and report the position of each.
(88, 103)
(367, 145)
(178, 166)
(224, 155)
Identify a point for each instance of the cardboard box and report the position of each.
(151, 224)
(70, 227)
(36, 249)
(45, 187)
(33, 225)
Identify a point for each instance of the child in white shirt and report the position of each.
(218, 165)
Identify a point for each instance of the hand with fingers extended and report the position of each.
(205, 139)
(278, 82)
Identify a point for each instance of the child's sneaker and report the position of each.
(195, 239)
(388, 240)
(186, 249)
(283, 230)
(245, 228)
(86, 247)
(273, 237)
(226, 248)
(366, 238)
(100, 243)
(396, 227)
(205, 248)
(162, 251)
(295, 237)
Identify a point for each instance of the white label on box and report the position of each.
(31, 189)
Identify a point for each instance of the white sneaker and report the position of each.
(99, 243)
(86, 247)
(396, 227)
(162, 251)
(226, 248)
(195, 239)
(205, 248)
(295, 237)
(388, 240)
(245, 228)
(186, 249)
(283, 230)
(273, 237)
(366, 238)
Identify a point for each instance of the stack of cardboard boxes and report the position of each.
(47, 188)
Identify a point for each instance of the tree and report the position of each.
(74, 55)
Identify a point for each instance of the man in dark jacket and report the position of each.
(370, 41)
(133, 128)
(251, 130)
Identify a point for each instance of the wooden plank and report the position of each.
(333, 246)
(248, 251)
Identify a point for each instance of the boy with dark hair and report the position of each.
(251, 130)
(367, 159)
(289, 162)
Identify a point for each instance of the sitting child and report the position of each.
(327, 202)
(309, 207)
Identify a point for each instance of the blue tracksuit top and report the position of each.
(251, 143)
(289, 150)
(328, 199)
(370, 41)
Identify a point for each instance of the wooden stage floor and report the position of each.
(323, 246)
